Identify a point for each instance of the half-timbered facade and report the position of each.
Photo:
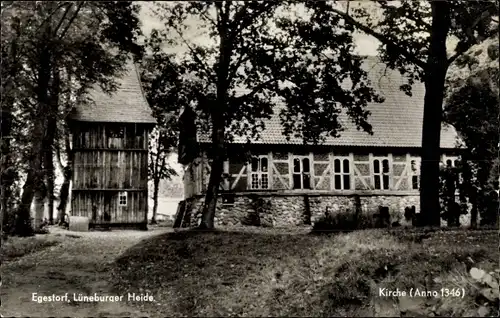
(302, 182)
(110, 151)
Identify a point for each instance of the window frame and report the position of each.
(342, 173)
(301, 172)
(450, 161)
(115, 131)
(259, 173)
(122, 194)
(381, 174)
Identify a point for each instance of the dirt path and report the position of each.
(80, 265)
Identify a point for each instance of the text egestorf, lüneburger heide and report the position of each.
(95, 297)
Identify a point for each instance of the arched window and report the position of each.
(341, 174)
(259, 173)
(301, 173)
(381, 173)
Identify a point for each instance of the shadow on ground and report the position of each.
(261, 273)
(64, 262)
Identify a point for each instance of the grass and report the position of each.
(254, 272)
(80, 264)
(16, 247)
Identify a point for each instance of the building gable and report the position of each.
(126, 105)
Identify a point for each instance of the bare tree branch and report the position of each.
(72, 19)
(255, 90)
(63, 18)
(48, 18)
(195, 56)
(393, 44)
(209, 19)
(232, 70)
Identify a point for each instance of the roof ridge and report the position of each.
(143, 94)
(396, 122)
(127, 104)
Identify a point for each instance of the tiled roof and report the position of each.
(397, 122)
(126, 105)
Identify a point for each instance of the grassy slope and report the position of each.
(16, 247)
(263, 273)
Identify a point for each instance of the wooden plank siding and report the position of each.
(93, 135)
(125, 170)
(84, 203)
(322, 171)
(110, 159)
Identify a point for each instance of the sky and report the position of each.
(365, 44)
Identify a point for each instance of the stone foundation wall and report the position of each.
(290, 210)
(369, 205)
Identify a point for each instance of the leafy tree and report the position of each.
(163, 86)
(173, 188)
(159, 169)
(472, 108)
(256, 54)
(10, 74)
(88, 42)
(414, 37)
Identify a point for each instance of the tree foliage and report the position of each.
(163, 86)
(299, 55)
(259, 58)
(472, 108)
(414, 37)
(51, 50)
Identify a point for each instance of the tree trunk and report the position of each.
(34, 180)
(63, 196)
(49, 141)
(7, 169)
(468, 191)
(219, 118)
(50, 178)
(473, 215)
(210, 204)
(6, 178)
(50, 191)
(68, 172)
(39, 209)
(156, 188)
(437, 66)
(156, 170)
(22, 226)
(452, 206)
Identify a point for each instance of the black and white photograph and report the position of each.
(250, 159)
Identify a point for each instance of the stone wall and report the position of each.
(369, 205)
(296, 210)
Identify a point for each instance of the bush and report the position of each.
(488, 297)
(347, 221)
